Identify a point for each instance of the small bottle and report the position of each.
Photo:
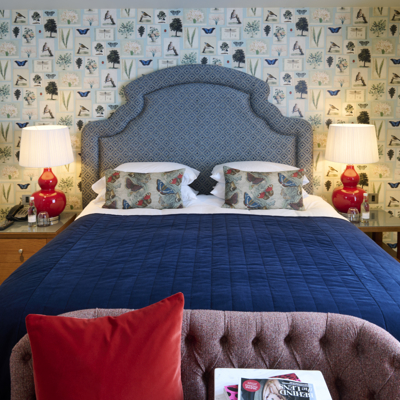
(365, 209)
(32, 212)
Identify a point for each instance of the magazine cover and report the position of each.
(269, 384)
(275, 389)
(231, 392)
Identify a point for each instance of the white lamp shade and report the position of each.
(45, 146)
(352, 144)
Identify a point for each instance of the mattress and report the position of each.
(279, 260)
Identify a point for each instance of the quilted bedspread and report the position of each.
(219, 261)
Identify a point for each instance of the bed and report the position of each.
(221, 259)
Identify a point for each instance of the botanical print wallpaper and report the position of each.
(326, 65)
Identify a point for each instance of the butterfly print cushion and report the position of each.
(125, 190)
(263, 190)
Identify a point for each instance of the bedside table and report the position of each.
(380, 221)
(19, 242)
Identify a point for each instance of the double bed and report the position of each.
(221, 259)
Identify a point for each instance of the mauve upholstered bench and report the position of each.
(359, 360)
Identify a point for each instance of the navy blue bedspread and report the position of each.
(221, 262)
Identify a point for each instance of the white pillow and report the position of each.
(251, 166)
(147, 167)
(219, 191)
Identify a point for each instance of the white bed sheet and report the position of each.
(315, 206)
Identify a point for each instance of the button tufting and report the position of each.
(288, 339)
(26, 357)
(223, 340)
(323, 341)
(255, 341)
(189, 339)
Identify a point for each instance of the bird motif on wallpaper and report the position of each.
(333, 46)
(360, 14)
(332, 108)
(331, 169)
(395, 76)
(144, 14)
(18, 16)
(394, 139)
(19, 79)
(269, 76)
(109, 79)
(296, 46)
(296, 109)
(48, 111)
(270, 14)
(82, 108)
(109, 16)
(207, 46)
(392, 200)
(81, 47)
(396, 14)
(47, 48)
(234, 15)
(171, 47)
(359, 77)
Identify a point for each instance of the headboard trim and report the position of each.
(275, 130)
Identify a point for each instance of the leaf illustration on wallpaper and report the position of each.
(315, 100)
(316, 161)
(253, 72)
(378, 130)
(3, 73)
(316, 37)
(4, 132)
(190, 38)
(6, 195)
(128, 70)
(66, 101)
(65, 38)
(378, 68)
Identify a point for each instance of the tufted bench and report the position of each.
(359, 360)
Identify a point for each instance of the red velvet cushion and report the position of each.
(134, 356)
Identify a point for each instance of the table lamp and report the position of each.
(47, 146)
(350, 144)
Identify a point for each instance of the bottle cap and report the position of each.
(365, 194)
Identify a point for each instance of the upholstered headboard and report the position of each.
(198, 115)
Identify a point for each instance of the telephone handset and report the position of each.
(18, 213)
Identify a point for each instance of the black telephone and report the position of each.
(18, 213)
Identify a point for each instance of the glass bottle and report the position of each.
(32, 212)
(365, 209)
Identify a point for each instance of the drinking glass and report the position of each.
(353, 215)
(43, 219)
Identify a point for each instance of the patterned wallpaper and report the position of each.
(327, 65)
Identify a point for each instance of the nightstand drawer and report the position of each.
(19, 250)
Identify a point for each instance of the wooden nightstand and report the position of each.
(19, 242)
(380, 221)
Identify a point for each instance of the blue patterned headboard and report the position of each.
(198, 115)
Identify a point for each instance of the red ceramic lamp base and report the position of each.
(348, 195)
(48, 199)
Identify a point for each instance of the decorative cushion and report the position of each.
(159, 190)
(263, 190)
(136, 355)
(148, 167)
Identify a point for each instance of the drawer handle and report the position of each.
(20, 251)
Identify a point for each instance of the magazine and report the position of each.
(264, 384)
(275, 389)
